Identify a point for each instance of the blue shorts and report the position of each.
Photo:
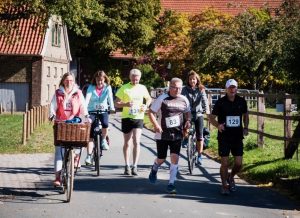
(103, 119)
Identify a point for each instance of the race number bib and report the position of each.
(172, 121)
(134, 110)
(99, 106)
(233, 121)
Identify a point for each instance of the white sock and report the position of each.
(173, 173)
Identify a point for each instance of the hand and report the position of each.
(158, 129)
(143, 108)
(221, 127)
(187, 125)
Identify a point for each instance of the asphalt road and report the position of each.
(26, 190)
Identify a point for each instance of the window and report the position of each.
(48, 88)
(55, 72)
(56, 32)
(48, 71)
(61, 72)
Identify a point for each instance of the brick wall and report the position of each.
(15, 69)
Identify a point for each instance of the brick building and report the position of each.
(33, 59)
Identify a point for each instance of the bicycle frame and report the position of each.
(97, 136)
(191, 148)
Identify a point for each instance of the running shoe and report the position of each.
(153, 176)
(127, 170)
(184, 143)
(134, 171)
(199, 160)
(232, 186)
(171, 188)
(104, 145)
(88, 160)
(224, 190)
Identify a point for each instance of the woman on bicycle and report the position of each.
(99, 97)
(67, 102)
(195, 93)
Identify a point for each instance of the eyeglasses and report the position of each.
(174, 87)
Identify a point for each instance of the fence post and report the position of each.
(28, 124)
(12, 107)
(260, 119)
(287, 123)
(24, 128)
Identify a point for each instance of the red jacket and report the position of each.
(75, 104)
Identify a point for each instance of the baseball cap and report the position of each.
(231, 82)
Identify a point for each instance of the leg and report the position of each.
(237, 166)
(126, 147)
(162, 149)
(224, 170)
(174, 156)
(58, 156)
(137, 132)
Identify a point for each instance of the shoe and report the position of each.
(199, 160)
(104, 145)
(225, 190)
(171, 189)
(153, 176)
(77, 163)
(232, 186)
(134, 171)
(57, 182)
(127, 170)
(184, 143)
(88, 160)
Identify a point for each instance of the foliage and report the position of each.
(115, 78)
(150, 78)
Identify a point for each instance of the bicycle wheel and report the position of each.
(190, 151)
(97, 155)
(69, 174)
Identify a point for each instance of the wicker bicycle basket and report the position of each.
(76, 134)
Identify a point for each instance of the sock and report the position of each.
(155, 166)
(173, 173)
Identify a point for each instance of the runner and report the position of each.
(231, 112)
(195, 93)
(134, 98)
(173, 110)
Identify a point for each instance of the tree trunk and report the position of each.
(292, 146)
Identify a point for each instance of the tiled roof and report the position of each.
(26, 39)
(232, 7)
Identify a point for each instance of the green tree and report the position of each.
(150, 78)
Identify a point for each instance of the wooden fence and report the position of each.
(32, 119)
(260, 113)
(257, 107)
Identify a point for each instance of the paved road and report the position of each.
(26, 191)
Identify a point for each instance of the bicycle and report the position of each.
(191, 149)
(70, 136)
(97, 136)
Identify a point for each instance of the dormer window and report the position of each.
(56, 33)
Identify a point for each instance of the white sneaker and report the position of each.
(104, 145)
(88, 160)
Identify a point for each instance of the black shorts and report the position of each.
(199, 122)
(163, 145)
(233, 146)
(129, 124)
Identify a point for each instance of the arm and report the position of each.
(120, 104)
(53, 108)
(110, 99)
(157, 127)
(205, 104)
(213, 120)
(83, 107)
